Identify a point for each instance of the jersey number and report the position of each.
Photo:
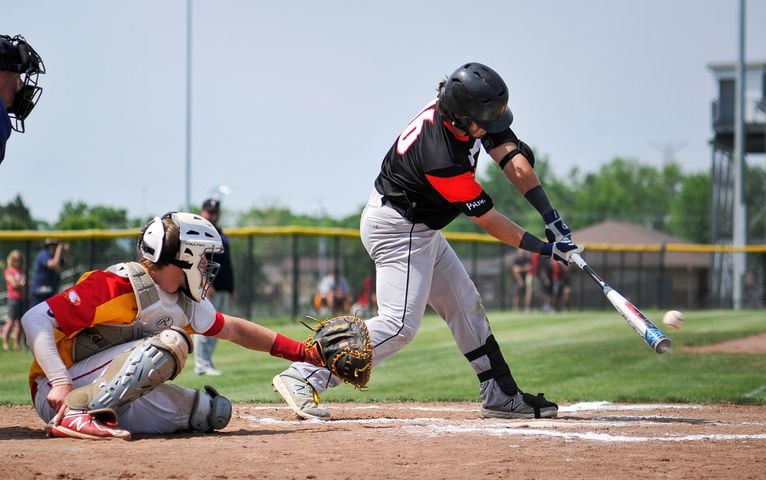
(412, 131)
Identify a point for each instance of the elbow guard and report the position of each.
(523, 149)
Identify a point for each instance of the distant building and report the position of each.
(723, 176)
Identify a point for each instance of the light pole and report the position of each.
(188, 101)
(739, 236)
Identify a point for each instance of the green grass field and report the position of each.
(577, 356)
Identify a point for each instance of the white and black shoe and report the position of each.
(299, 395)
(497, 404)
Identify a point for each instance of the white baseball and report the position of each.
(673, 319)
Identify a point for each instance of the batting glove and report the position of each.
(562, 250)
(556, 229)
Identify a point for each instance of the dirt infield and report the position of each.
(755, 344)
(409, 440)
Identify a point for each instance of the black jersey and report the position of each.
(428, 175)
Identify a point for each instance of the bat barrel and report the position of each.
(644, 327)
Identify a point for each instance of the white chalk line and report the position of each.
(755, 392)
(481, 424)
(435, 430)
(433, 426)
(576, 407)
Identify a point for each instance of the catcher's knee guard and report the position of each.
(211, 411)
(134, 373)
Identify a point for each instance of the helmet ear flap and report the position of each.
(447, 108)
(152, 240)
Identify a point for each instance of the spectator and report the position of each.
(562, 289)
(49, 264)
(545, 275)
(366, 304)
(522, 264)
(15, 282)
(20, 66)
(333, 295)
(539, 276)
(221, 293)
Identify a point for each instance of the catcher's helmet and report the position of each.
(476, 93)
(17, 56)
(198, 241)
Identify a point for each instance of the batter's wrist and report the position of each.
(533, 244)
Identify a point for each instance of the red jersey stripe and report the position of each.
(461, 188)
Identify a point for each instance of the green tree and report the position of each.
(79, 216)
(625, 189)
(690, 209)
(755, 196)
(15, 215)
(96, 253)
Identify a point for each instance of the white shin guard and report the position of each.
(134, 373)
(211, 411)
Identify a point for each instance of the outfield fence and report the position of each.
(277, 269)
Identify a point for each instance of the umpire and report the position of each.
(20, 66)
(220, 293)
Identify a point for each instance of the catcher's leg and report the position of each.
(456, 299)
(211, 411)
(133, 374)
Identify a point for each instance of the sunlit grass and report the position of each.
(575, 356)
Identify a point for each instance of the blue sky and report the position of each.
(295, 103)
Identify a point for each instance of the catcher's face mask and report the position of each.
(16, 55)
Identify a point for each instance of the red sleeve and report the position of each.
(463, 192)
(461, 188)
(75, 307)
(216, 327)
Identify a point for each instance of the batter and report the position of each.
(426, 180)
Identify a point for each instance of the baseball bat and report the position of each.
(644, 327)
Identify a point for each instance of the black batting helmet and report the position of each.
(476, 93)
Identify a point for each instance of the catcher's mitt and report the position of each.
(343, 345)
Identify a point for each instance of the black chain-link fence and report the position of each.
(277, 270)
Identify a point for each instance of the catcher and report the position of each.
(104, 348)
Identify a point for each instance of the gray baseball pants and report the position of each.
(415, 267)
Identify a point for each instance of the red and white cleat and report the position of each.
(79, 424)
